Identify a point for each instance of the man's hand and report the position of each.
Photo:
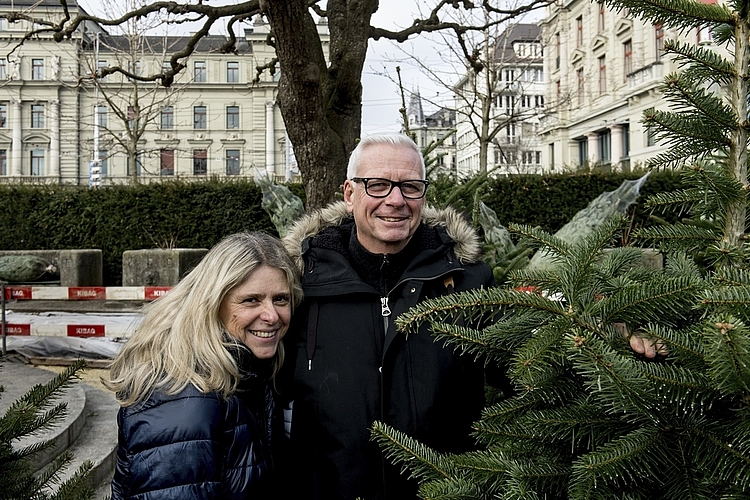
(642, 345)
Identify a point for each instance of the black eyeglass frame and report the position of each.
(365, 180)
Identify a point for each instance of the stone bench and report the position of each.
(158, 267)
(76, 267)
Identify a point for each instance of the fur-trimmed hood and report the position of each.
(467, 247)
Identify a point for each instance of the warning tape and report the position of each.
(80, 331)
(85, 292)
(24, 292)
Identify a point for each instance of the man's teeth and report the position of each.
(392, 219)
(264, 335)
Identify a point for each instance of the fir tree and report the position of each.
(36, 411)
(590, 419)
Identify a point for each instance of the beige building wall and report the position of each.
(604, 70)
(48, 108)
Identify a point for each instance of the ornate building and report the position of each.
(604, 70)
(58, 126)
(502, 106)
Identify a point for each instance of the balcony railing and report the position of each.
(652, 72)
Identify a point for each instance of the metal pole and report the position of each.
(2, 319)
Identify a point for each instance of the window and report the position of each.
(627, 49)
(704, 35)
(233, 72)
(579, 31)
(510, 75)
(101, 116)
(166, 162)
(37, 116)
(103, 157)
(650, 137)
(602, 75)
(37, 162)
(199, 71)
(626, 140)
(3, 115)
(166, 66)
(605, 146)
(37, 69)
(3, 162)
(199, 117)
(602, 13)
(659, 38)
(538, 101)
(552, 156)
(100, 65)
(133, 119)
(581, 85)
(510, 133)
(200, 162)
(583, 152)
(233, 117)
(233, 162)
(167, 118)
(3, 24)
(557, 50)
(3, 69)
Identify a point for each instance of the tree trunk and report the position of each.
(738, 154)
(321, 105)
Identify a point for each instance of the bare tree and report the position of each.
(320, 95)
(495, 77)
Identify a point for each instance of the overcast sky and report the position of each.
(381, 97)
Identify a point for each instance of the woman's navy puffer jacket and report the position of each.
(194, 445)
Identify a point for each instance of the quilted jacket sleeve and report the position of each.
(170, 448)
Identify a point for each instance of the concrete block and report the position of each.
(158, 267)
(77, 267)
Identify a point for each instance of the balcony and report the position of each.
(653, 73)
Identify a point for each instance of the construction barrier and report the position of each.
(80, 328)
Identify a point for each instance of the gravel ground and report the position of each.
(91, 376)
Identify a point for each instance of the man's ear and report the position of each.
(348, 195)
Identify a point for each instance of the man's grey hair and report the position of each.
(390, 138)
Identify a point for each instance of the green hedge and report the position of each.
(118, 218)
(551, 201)
(197, 214)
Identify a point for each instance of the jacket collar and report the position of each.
(467, 246)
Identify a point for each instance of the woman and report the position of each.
(195, 380)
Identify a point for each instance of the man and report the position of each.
(364, 262)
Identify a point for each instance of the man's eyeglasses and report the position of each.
(381, 188)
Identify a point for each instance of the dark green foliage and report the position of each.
(197, 214)
(36, 411)
(118, 218)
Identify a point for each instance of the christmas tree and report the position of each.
(590, 418)
(33, 412)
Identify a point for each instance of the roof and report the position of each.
(517, 33)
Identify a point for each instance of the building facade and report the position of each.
(57, 125)
(604, 70)
(502, 107)
(436, 129)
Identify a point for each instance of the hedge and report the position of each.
(180, 214)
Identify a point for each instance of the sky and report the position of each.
(381, 96)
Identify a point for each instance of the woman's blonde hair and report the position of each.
(181, 339)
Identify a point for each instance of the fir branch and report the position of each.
(629, 460)
(479, 302)
(538, 237)
(710, 65)
(727, 344)
(663, 300)
(421, 461)
(679, 14)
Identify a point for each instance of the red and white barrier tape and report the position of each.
(80, 331)
(85, 292)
